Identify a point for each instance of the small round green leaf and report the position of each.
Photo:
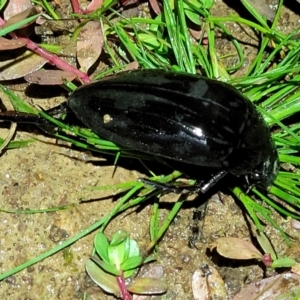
(101, 245)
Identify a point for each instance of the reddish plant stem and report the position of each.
(52, 58)
(76, 7)
(122, 286)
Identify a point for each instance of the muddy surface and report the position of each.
(48, 174)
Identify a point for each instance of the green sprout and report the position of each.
(117, 260)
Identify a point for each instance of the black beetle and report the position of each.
(186, 118)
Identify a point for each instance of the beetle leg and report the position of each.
(168, 188)
(27, 118)
(201, 187)
(21, 117)
(59, 109)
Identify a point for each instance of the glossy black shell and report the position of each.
(182, 117)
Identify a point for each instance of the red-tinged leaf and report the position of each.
(22, 16)
(17, 7)
(279, 287)
(147, 286)
(89, 45)
(199, 286)
(6, 44)
(129, 2)
(148, 271)
(14, 65)
(50, 77)
(208, 284)
(155, 6)
(197, 33)
(132, 66)
(94, 4)
(236, 248)
(106, 281)
(216, 285)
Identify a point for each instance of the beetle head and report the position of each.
(264, 174)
